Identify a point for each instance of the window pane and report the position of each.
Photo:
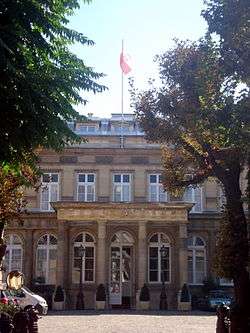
(153, 276)
(89, 275)
(52, 240)
(117, 178)
(160, 178)
(126, 193)
(54, 177)
(81, 193)
(54, 192)
(153, 252)
(126, 178)
(153, 193)
(89, 252)
(89, 263)
(153, 179)
(154, 239)
(46, 178)
(153, 264)
(81, 178)
(90, 193)
(91, 178)
(79, 238)
(199, 241)
(117, 193)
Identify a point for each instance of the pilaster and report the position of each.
(142, 254)
(183, 255)
(101, 255)
(28, 253)
(62, 253)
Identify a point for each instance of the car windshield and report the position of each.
(218, 295)
(28, 290)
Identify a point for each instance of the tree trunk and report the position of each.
(238, 224)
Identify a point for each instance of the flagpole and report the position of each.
(122, 105)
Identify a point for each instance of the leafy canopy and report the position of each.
(196, 114)
(41, 79)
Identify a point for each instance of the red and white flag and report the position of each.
(125, 63)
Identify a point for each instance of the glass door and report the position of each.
(115, 277)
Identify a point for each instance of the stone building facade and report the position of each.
(106, 196)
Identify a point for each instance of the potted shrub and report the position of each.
(59, 299)
(184, 299)
(144, 298)
(100, 297)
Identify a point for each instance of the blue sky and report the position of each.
(147, 27)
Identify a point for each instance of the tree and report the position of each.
(41, 78)
(13, 179)
(202, 124)
(230, 21)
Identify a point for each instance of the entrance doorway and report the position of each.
(121, 270)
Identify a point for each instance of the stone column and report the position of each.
(28, 257)
(62, 254)
(183, 254)
(101, 253)
(142, 254)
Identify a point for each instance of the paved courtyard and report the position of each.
(127, 322)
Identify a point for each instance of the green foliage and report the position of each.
(9, 308)
(59, 294)
(101, 293)
(144, 294)
(185, 294)
(41, 79)
(230, 20)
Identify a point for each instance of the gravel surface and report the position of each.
(127, 322)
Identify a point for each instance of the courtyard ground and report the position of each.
(127, 322)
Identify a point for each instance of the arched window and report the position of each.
(46, 258)
(84, 262)
(13, 259)
(196, 260)
(159, 258)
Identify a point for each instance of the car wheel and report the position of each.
(39, 308)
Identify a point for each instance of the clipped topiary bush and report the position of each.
(101, 293)
(185, 295)
(144, 294)
(59, 295)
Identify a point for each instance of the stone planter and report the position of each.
(100, 305)
(144, 305)
(184, 306)
(58, 306)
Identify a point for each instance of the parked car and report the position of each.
(26, 298)
(213, 300)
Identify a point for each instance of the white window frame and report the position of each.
(193, 199)
(46, 247)
(158, 186)
(194, 248)
(10, 247)
(87, 129)
(226, 282)
(122, 186)
(159, 244)
(47, 186)
(86, 184)
(85, 244)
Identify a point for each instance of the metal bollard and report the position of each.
(21, 322)
(33, 319)
(5, 323)
(222, 319)
(163, 299)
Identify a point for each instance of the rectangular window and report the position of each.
(194, 195)
(156, 191)
(86, 187)
(49, 190)
(122, 187)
